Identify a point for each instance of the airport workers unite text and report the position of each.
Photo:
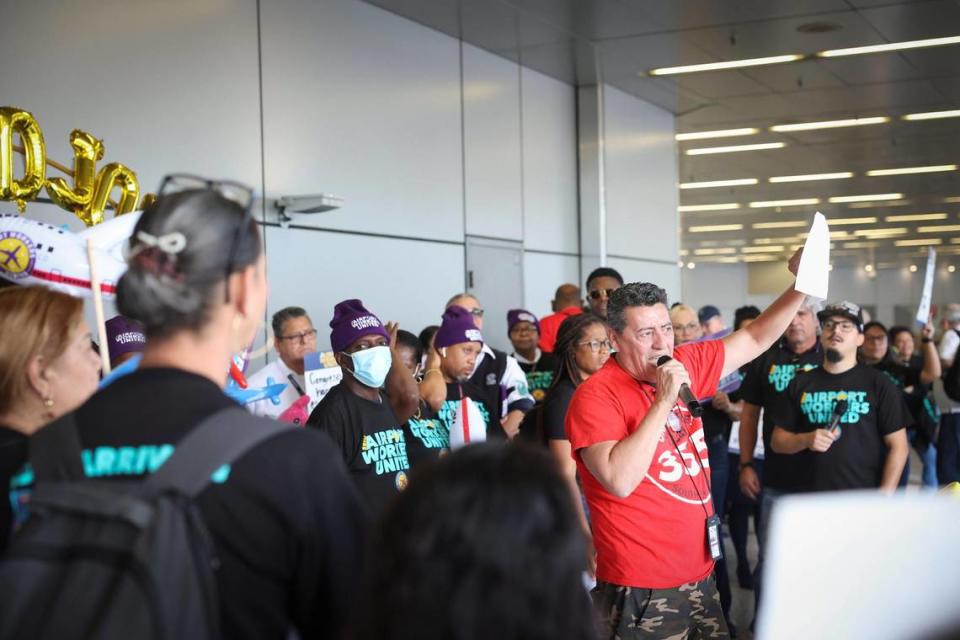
(88, 197)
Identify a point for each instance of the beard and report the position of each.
(833, 356)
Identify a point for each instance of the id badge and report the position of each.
(713, 537)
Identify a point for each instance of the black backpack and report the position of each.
(951, 379)
(100, 560)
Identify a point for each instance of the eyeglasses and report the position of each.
(596, 345)
(596, 294)
(843, 326)
(477, 313)
(523, 328)
(690, 326)
(303, 337)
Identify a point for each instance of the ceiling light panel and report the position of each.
(834, 222)
(911, 170)
(719, 133)
(718, 183)
(916, 217)
(840, 175)
(797, 202)
(829, 124)
(786, 224)
(892, 46)
(939, 228)
(729, 64)
(917, 243)
(933, 115)
(735, 148)
(692, 208)
(715, 227)
(873, 197)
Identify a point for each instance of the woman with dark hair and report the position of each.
(482, 544)
(582, 347)
(47, 369)
(284, 518)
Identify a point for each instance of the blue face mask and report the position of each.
(370, 366)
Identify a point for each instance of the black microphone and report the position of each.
(686, 396)
(838, 410)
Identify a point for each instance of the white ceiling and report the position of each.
(618, 41)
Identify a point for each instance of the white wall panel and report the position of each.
(542, 274)
(168, 87)
(722, 285)
(640, 167)
(365, 105)
(491, 139)
(403, 280)
(663, 275)
(550, 220)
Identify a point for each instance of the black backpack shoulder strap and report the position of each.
(220, 439)
(55, 452)
(501, 362)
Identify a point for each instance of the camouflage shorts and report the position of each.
(688, 612)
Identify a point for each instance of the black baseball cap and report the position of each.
(844, 309)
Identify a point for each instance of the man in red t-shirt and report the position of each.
(566, 302)
(644, 468)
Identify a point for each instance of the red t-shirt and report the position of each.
(655, 538)
(550, 325)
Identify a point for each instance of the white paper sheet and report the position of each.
(813, 274)
(923, 311)
(857, 564)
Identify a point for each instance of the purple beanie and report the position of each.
(351, 321)
(457, 327)
(123, 336)
(516, 316)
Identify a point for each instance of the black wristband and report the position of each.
(926, 340)
(744, 465)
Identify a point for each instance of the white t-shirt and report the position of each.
(274, 373)
(948, 351)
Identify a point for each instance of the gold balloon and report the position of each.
(17, 121)
(110, 176)
(87, 151)
(147, 200)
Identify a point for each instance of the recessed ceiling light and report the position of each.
(939, 228)
(860, 245)
(892, 46)
(884, 231)
(917, 243)
(873, 197)
(797, 202)
(868, 268)
(718, 183)
(916, 217)
(829, 124)
(909, 170)
(714, 252)
(912, 268)
(933, 115)
(761, 258)
(735, 148)
(726, 206)
(763, 249)
(691, 265)
(951, 268)
(715, 227)
(834, 222)
(812, 176)
(952, 199)
(729, 64)
(786, 224)
(719, 133)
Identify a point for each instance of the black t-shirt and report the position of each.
(539, 375)
(286, 521)
(428, 437)
(766, 380)
(918, 396)
(555, 409)
(13, 457)
(875, 408)
(371, 439)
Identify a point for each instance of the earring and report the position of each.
(48, 402)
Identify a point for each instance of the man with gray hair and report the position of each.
(948, 444)
(642, 460)
(293, 338)
(763, 387)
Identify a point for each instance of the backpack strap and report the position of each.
(55, 452)
(219, 440)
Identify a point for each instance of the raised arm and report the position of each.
(931, 359)
(746, 344)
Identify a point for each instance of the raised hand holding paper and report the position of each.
(813, 274)
(923, 311)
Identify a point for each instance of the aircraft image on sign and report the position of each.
(33, 252)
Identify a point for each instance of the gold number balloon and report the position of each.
(20, 122)
(87, 151)
(110, 176)
(147, 200)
